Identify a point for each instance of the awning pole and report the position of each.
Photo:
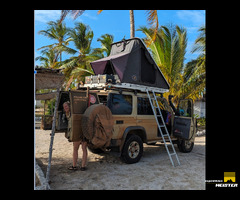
(52, 138)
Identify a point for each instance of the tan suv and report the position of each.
(133, 120)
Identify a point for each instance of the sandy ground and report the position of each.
(107, 172)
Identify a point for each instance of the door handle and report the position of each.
(139, 121)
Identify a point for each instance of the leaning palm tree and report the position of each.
(77, 67)
(59, 33)
(152, 19)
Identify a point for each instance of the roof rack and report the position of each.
(129, 86)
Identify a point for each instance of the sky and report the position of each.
(117, 23)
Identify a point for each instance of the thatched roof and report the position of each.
(48, 78)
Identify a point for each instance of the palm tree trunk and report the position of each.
(132, 25)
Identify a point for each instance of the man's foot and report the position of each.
(72, 168)
(83, 168)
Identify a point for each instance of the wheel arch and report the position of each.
(137, 130)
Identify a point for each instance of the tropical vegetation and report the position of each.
(167, 45)
(168, 50)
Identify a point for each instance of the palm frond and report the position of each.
(74, 13)
(199, 45)
(152, 18)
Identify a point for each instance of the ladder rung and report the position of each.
(153, 100)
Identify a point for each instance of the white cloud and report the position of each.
(47, 15)
(90, 16)
(197, 17)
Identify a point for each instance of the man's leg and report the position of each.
(85, 154)
(75, 152)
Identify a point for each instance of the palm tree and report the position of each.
(132, 24)
(77, 67)
(48, 58)
(195, 71)
(200, 42)
(152, 19)
(58, 32)
(168, 50)
(106, 41)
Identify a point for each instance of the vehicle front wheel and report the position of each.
(132, 150)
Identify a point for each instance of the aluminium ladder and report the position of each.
(154, 104)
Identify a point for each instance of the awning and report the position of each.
(45, 96)
(119, 62)
(48, 78)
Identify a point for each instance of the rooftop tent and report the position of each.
(132, 62)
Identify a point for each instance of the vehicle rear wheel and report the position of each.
(185, 146)
(132, 150)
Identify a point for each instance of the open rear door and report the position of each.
(183, 126)
(61, 121)
(79, 103)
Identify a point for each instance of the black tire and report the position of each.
(185, 146)
(132, 150)
(95, 151)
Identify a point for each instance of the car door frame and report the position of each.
(192, 129)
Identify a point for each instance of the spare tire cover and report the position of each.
(97, 126)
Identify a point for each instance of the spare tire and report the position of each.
(97, 126)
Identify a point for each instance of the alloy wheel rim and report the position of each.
(133, 149)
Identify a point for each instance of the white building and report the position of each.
(200, 107)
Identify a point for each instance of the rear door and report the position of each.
(79, 103)
(183, 126)
(61, 121)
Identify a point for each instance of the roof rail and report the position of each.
(129, 86)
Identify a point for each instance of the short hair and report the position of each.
(67, 102)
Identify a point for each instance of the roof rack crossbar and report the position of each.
(130, 86)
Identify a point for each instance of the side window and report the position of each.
(120, 104)
(103, 99)
(185, 108)
(144, 106)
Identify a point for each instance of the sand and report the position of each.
(107, 172)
